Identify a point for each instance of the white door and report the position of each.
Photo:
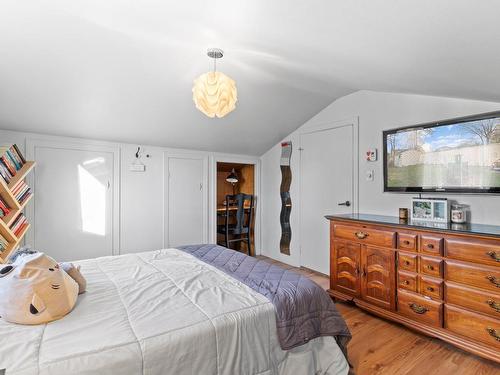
(186, 203)
(327, 165)
(73, 203)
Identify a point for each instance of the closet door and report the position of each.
(73, 201)
(187, 200)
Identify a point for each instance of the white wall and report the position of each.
(375, 112)
(140, 207)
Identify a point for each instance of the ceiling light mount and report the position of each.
(215, 53)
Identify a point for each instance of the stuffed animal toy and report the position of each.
(69, 268)
(74, 272)
(35, 290)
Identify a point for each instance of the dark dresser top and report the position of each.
(469, 228)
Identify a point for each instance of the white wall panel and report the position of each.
(142, 200)
(73, 218)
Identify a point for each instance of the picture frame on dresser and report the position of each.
(436, 210)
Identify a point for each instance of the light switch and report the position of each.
(370, 175)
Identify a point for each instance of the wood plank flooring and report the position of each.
(381, 347)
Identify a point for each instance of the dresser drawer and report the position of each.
(431, 245)
(407, 242)
(407, 262)
(407, 280)
(431, 287)
(364, 235)
(469, 274)
(473, 250)
(475, 326)
(419, 308)
(431, 266)
(473, 299)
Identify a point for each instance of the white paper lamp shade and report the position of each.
(214, 94)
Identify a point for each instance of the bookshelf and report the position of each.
(10, 193)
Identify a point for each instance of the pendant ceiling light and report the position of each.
(214, 93)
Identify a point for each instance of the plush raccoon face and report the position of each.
(34, 290)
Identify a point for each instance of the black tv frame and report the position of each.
(416, 189)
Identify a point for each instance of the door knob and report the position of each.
(346, 203)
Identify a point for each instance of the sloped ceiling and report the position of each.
(122, 70)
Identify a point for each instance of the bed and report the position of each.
(170, 311)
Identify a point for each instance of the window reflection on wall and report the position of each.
(92, 197)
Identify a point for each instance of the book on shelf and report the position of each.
(19, 224)
(23, 198)
(4, 207)
(21, 191)
(3, 244)
(11, 161)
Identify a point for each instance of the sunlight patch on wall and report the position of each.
(92, 203)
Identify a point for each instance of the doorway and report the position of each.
(328, 185)
(235, 178)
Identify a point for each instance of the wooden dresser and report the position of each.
(444, 282)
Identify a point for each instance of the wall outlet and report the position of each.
(370, 175)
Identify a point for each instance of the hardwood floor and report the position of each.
(382, 347)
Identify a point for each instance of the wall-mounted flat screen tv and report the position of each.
(457, 156)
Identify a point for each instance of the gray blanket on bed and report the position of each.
(304, 310)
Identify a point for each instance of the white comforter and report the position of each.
(162, 312)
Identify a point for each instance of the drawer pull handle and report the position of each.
(493, 280)
(430, 289)
(417, 308)
(361, 235)
(406, 282)
(494, 255)
(494, 305)
(430, 246)
(430, 267)
(406, 242)
(493, 333)
(407, 262)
